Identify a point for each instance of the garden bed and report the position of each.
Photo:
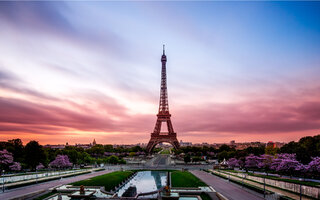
(109, 181)
(185, 179)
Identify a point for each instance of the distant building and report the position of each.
(271, 144)
(184, 144)
(62, 146)
(279, 144)
(55, 146)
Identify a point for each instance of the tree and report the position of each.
(271, 150)
(131, 154)
(275, 163)
(61, 161)
(305, 149)
(233, 162)
(265, 162)
(255, 150)
(252, 161)
(15, 166)
(288, 166)
(187, 158)
(113, 159)
(6, 159)
(96, 151)
(223, 155)
(40, 166)
(224, 147)
(16, 147)
(302, 169)
(34, 154)
(314, 165)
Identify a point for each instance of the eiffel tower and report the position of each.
(163, 115)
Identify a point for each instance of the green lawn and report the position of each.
(109, 181)
(45, 196)
(185, 179)
(165, 151)
(205, 196)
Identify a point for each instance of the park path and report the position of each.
(260, 185)
(17, 192)
(229, 190)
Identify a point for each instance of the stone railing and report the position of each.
(294, 187)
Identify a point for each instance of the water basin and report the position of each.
(146, 181)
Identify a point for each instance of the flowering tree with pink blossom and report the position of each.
(6, 159)
(288, 166)
(302, 168)
(314, 165)
(15, 166)
(290, 156)
(278, 159)
(265, 162)
(40, 166)
(233, 162)
(252, 161)
(275, 163)
(61, 161)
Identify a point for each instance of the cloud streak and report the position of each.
(78, 70)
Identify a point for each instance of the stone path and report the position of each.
(229, 190)
(17, 192)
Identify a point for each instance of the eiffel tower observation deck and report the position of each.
(163, 116)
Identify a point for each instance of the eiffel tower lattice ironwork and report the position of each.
(163, 115)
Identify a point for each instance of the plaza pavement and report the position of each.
(21, 191)
(229, 190)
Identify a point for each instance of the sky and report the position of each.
(75, 71)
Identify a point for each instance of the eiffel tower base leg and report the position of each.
(158, 139)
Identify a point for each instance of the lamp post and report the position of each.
(242, 179)
(3, 181)
(264, 185)
(300, 179)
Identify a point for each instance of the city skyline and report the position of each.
(74, 71)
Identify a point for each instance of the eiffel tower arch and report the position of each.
(163, 116)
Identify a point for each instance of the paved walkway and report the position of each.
(229, 190)
(14, 193)
(260, 185)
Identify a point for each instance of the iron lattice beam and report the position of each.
(163, 114)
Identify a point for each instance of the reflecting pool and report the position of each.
(146, 181)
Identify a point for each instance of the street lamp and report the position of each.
(264, 185)
(243, 179)
(3, 181)
(300, 179)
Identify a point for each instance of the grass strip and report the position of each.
(165, 151)
(108, 181)
(185, 179)
(45, 196)
(205, 196)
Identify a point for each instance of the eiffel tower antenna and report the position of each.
(164, 52)
(163, 114)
